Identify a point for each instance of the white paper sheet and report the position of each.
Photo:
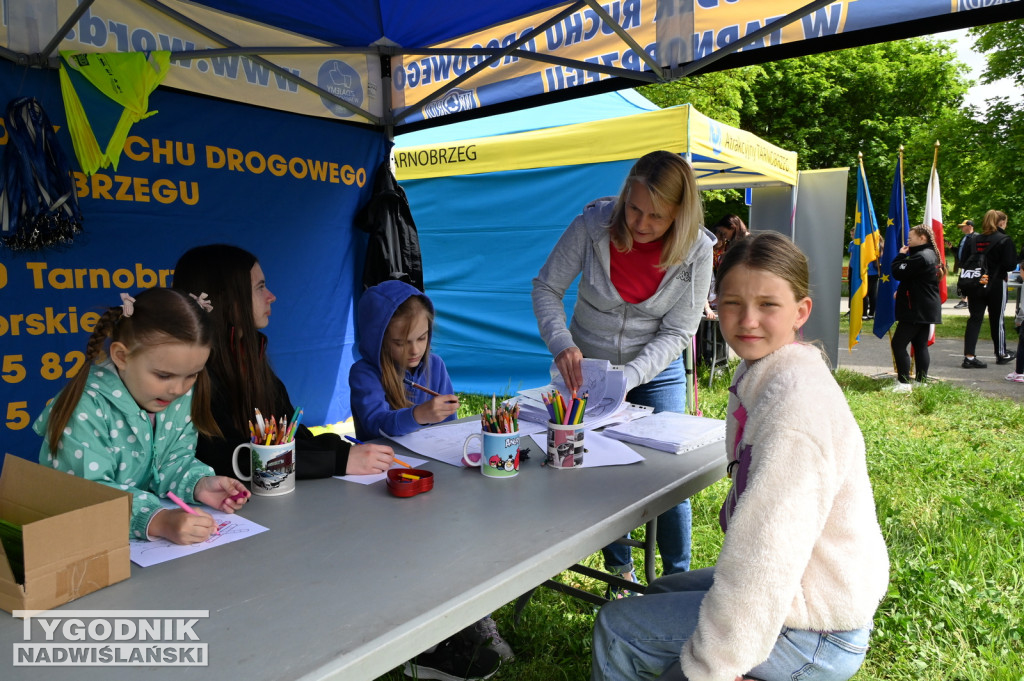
(232, 527)
(605, 385)
(600, 450)
(443, 442)
(370, 479)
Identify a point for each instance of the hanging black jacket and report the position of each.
(394, 248)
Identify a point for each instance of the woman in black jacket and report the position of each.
(1000, 258)
(919, 271)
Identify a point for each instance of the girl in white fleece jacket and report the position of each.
(803, 566)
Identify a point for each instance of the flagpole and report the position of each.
(902, 208)
(903, 201)
(934, 222)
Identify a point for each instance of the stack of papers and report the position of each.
(669, 431)
(605, 386)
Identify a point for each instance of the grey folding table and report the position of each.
(350, 581)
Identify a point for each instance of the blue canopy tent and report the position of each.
(356, 71)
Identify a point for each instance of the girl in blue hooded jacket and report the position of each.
(400, 386)
(396, 322)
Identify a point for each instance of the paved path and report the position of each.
(872, 356)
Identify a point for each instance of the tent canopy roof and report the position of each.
(397, 64)
(722, 156)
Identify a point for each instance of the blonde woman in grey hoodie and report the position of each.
(644, 263)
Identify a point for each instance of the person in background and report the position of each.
(241, 377)
(1017, 375)
(645, 271)
(990, 294)
(917, 267)
(803, 565)
(129, 421)
(962, 249)
(871, 299)
(728, 229)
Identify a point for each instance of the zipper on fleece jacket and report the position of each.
(622, 332)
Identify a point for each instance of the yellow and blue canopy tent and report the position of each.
(489, 207)
(721, 155)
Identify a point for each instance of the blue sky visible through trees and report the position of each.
(976, 62)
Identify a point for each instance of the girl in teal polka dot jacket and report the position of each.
(130, 422)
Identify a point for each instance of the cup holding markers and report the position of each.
(498, 456)
(565, 446)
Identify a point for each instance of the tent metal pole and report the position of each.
(627, 38)
(284, 73)
(615, 71)
(524, 38)
(385, 93)
(16, 57)
(65, 27)
(700, 64)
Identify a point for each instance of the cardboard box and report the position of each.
(75, 535)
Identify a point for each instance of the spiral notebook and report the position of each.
(669, 431)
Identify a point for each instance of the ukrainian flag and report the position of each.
(863, 250)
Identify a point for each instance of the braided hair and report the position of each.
(159, 315)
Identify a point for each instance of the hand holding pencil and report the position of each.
(364, 459)
(434, 410)
(183, 525)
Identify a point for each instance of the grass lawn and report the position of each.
(947, 466)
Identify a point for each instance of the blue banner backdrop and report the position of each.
(200, 171)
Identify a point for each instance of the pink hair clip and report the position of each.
(203, 300)
(127, 305)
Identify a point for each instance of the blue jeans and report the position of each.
(665, 392)
(641, 638)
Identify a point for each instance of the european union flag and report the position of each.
(896, 235)
(863, 250)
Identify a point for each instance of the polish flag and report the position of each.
(933, 219)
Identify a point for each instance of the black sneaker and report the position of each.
(1007, 358)
(961, 305)
(485, 633)
(973, 363)
(454, 659)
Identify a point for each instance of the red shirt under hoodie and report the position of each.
(635, 275)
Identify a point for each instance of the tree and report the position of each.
(872, 99)
(1000, 171)
(719, 95)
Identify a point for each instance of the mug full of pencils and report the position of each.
(499, 443)
(272, 467)
(271, 455)
(565, 446)
(565, 431)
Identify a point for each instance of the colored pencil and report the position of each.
(421, 387)
(188, 509)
